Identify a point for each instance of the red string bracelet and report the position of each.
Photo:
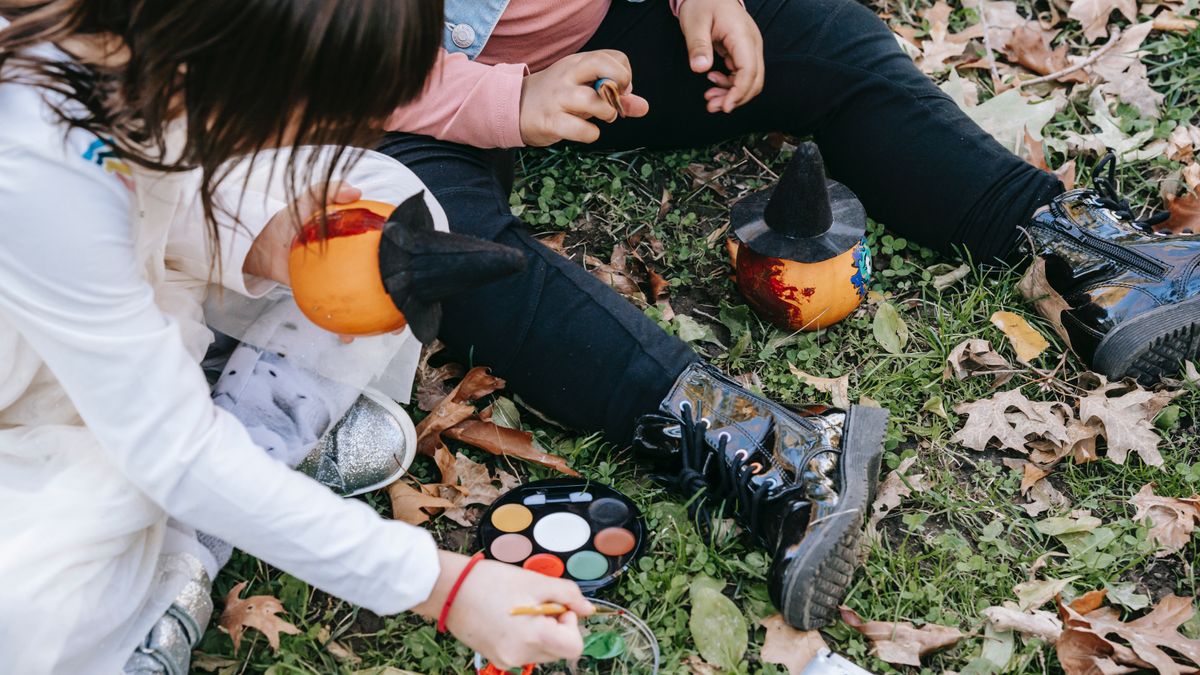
(462, 576)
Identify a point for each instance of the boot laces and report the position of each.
(706, 473)
(1110, 198)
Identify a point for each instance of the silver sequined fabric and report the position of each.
(167, 649)
(363, 451)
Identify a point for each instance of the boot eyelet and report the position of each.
(685, 406)
(756, 468)
(742, 454)
(724, 436)
(706, 422)
(770, 483)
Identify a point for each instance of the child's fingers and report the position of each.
(635, 106)
(342, 192)
(720, 79)
(697, 32)
(571, 128)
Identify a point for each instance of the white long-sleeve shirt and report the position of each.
(98, 369)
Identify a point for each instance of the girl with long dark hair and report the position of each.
(126, 127)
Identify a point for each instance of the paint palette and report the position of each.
(564, 527)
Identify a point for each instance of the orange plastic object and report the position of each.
(545, 563)
(336, 279)
(804, 296)
(489, 669)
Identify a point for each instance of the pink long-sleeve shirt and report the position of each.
(479, 102)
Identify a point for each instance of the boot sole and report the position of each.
(1152, 345)
(817, 581)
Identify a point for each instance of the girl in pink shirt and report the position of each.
(693, 73)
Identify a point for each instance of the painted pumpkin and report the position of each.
(336, 279)
(804, 296)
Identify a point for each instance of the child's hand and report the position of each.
(268, 255)
(726, 26)
(480, 616)
(557, 102)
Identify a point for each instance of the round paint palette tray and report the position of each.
(639, 652)
(565, 527)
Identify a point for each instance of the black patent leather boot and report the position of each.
(1128, 298)
(801, 483)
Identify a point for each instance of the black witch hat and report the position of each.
(805, 217)
(421, 266)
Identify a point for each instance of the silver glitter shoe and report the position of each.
(167, 649)
(370, 447)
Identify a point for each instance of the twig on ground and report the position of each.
(987, 46)
(1112, 41)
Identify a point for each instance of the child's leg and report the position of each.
(568, 344)
(834, 70)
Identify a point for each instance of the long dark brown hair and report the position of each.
(247, 75)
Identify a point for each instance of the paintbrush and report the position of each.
(555, 609)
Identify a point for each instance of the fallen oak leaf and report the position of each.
(411, 505)
(475, 487)
(1088, 602)
(1028, 343)
(1036, 623)
(257, 612)
(509, 442)
(1093, 14)
(788, 647)
(1126, 412)
(1029, 46)
(1172, 520)
(453, 410)
(900, 642)
(431, 382)
(1036, 289)
(1034, 594)
(1146, 635)
(894, 488)
(975, 357)
(1185, 214)
(991, 418)
(838, 388)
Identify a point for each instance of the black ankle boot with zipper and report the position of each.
(1130, 296)
(801, 483)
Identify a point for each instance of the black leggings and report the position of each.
(574, 349)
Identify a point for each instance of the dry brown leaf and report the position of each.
(941, 46)
(1002, 17)
(475, 487)
(616, 275)
(1083, 653)
(1042, 497)
(1146, 636)
(1031, 475)
(787, 646)
(431, 382)
(1172, 520)
(1126, 412)
(1013, 420)
(1029, 46)
(1028, 343)
(1038, 623)
(555, 242)
(1034, 594)
(1089, 602)
(257, 612)
(698, 666)
(1183, 143)
(451, 411)
(410, 504)
(975, 357)
(1191, 176)
(1036, 155)
(509, 442)
(900, 642)
(897, 485)
(1125, 75)
(837, 387)
(1036, 289)
(1093, 14)
(1170, 22)
(1185, 214)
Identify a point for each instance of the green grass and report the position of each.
(943, 556)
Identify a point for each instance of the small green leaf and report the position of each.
(890, 330)
(717, 625)
(1126, 595)
(505, 413)
(604, 645)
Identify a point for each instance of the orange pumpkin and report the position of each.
(336, 279)
(803, 296)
